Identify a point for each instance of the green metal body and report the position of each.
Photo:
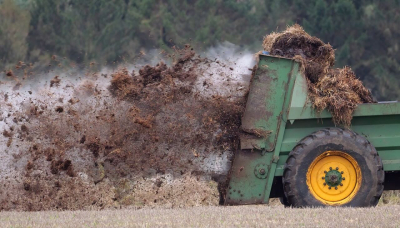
(277, 116)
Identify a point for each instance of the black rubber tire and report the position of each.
(333, 139)
(284, 201)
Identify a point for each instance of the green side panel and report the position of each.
(263, 114)
(253, 168)
(374, 109)
(244, 186)
(390, 159)
(281, 165)
(299, 99)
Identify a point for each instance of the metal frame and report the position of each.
(278, 116)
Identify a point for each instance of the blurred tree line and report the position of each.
(365, 33)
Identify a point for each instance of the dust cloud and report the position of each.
(138, 135)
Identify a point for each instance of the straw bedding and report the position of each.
(334, 89)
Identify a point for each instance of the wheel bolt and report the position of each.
(329, 187)
(342, 172)
(324, 184)
(343, 178)
(337, 168)
(335, 188)
(330, 168)
(325, 172)
(323, 178)
(341, 184)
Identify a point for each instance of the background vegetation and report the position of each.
(364, 32)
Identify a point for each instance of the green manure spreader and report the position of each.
(290, 151)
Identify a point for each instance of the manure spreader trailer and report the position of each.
(290, 151)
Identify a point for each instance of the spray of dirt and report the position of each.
(136, 136)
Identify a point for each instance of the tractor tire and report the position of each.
(284, 201)
(333, 167)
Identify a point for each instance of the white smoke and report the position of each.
(229, 75)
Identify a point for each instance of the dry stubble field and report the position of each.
(238, 216)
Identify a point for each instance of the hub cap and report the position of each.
(334, 178)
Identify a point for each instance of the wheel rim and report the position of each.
(334, 178)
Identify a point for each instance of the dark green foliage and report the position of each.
(14, 27)
(364, 32)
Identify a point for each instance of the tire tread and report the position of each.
(289, 174)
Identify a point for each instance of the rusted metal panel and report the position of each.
(266, 112)
(264, 105)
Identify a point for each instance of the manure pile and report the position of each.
(131, 137)
(337, 90)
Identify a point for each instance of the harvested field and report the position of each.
(240, 216)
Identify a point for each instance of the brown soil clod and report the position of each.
(145, 122)
(124, 86)
(7, 134)
(9, 142)
(49, 154)
(94, 148)
(29, 165)
(152, 74)
(24, 128)
(27, 186)
(70, 171)
(82, 140)
(54, 167)
(59, 109)
(9, 73)
(55, 81)
(61, 165)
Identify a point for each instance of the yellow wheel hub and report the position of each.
(334, 178)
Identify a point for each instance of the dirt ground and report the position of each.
(239, 216)
(134, 136)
